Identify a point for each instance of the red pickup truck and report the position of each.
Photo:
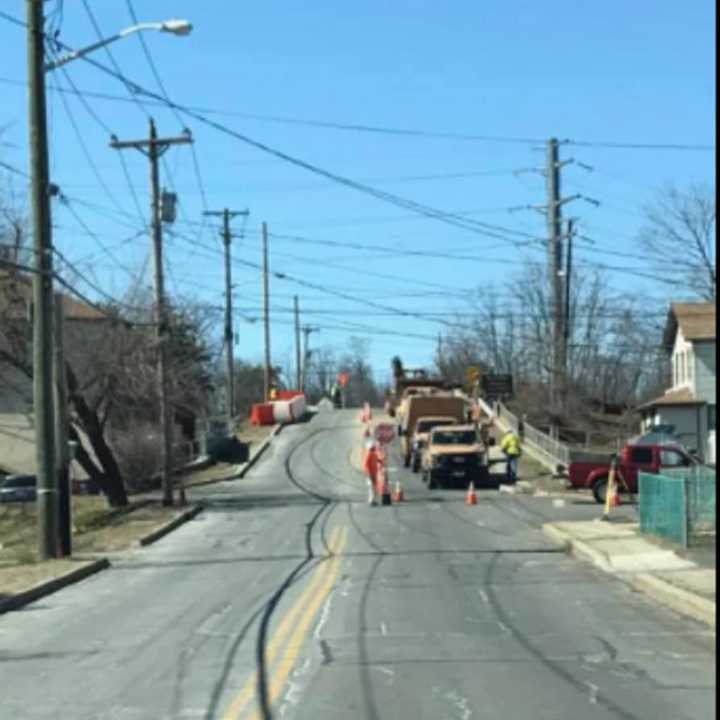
(592, 474)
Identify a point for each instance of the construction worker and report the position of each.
(371, 466)
(511, 447)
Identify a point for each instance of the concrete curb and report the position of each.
(245, 467)
(665, 593)
(50, 586)
(169, 526)
(258, 453)
(682, 601)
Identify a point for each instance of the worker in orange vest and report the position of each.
(371, 465)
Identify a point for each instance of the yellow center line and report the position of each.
(247, 692)
(298, 638)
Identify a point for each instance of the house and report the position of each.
(83, 325)
(690, 405)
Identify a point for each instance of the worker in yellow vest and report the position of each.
(511, 447)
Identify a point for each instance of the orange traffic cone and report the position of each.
(615, 497)
(471, 498)
(399, 495)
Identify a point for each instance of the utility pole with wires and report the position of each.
(266, 311)
(555, 255)
(307, 329)
(227, 216)
(568, 281)
(298, 351)
(154, 148)
(41, 191)
(558, 313)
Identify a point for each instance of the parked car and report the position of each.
(636, 457)
(18, 488)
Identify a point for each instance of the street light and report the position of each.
(41, 190)
(174, 27)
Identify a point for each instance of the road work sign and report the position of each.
(473, 374)
(385, 433)
(343, 378)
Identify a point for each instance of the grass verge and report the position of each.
(97, 529)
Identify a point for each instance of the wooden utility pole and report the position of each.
(306, 330)
(298, 350)
(154, 148)
(568, 280)
(266, 311)
(555, 254)
(42, 309)
(227, 215)
(62, 421)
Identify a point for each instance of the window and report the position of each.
(672, 458)
(711, 417)
(641, 456)
(682, 368)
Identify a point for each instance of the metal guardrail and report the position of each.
(546, 450)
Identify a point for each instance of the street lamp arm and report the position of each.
(175, 27)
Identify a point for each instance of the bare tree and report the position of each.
(680, 234)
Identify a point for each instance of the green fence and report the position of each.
(679, 504)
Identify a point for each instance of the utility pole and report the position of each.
(306, 354)
(568, 279)
(62, 420)
(555, 254)
(266, 310)
(558, 312)
(227, 215)
(41, 192)
(154, 148)
(298, 364)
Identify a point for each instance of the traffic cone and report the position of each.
(471, 498)
(615, 497)
(399, 495)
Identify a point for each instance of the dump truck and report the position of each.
(411, 386)
(421, 406)
(455, 455)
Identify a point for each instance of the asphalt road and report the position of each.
(289, 597)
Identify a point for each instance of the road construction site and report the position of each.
(289, 597)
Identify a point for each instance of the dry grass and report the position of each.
(96, 529)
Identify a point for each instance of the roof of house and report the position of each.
(22, 292)
(696, 320)
(673, 397)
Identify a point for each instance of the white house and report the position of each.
(690, 404)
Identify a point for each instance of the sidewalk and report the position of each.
(650, 567)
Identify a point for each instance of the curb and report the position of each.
(682, 601)
(663, 592)
(256, 455)
(50, 586)
(169, 526)
(244, 469)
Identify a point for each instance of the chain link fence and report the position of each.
(679, 504)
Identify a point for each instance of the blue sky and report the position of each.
(511, 75)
